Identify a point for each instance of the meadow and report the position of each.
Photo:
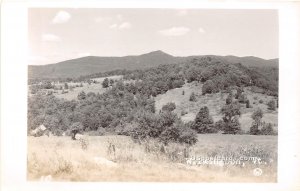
(187, 110)
(64, 159)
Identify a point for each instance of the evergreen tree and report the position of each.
(203, 122)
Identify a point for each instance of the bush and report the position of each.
(183, 112)
(229, 99)
(242, 98)
(267, 129)
(169, 107)
(192, 97)
(81, 95)
(47, 85)
(271, 105)
(126, 129)
(209, 87)
(203, 122)
(248, 104)
(261, 101)
(166, 127)
(66, 86)
(149, 126)
(180, 133)
(239, 92)
(105, 83)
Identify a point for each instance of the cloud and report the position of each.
(50, 38)
(201, 30)
(174, 31)
(124, 25)
(113, 26)
(61, 17)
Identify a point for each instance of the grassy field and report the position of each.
(67, 160)
(96, 88)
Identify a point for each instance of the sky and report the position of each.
(60, 34)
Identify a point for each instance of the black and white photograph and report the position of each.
(153, 95)
(99, 95)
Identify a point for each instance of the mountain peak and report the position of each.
(157, 53)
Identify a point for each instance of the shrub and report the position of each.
(242, 98)
(203, 122)
(192, 97)
(180, 133)
(229, 99)
(166, 127)
(111, 82)
(188, 136)
(239, 92)
(81, 95)
(105, 83)
(149, 126)
(248, 104)
(126, 129)
(267, 129)
(271, 105)
(209, 87)
(169, 107)
(66, 86)
(183, 112)
(47, 85)
(75, 128)
(261, 101)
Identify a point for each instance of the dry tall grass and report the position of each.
(67, 160)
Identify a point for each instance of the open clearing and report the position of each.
(95, 88)
(67, 160)
(188, 110)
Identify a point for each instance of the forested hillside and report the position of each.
(128, 107)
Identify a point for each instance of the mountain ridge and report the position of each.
(94, 64)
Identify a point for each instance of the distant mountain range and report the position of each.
(94, 64)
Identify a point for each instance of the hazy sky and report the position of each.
(60, 34)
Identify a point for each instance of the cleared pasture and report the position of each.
(67, 160)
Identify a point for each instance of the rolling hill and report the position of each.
(93, 64)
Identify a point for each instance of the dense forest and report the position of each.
(127, 107)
